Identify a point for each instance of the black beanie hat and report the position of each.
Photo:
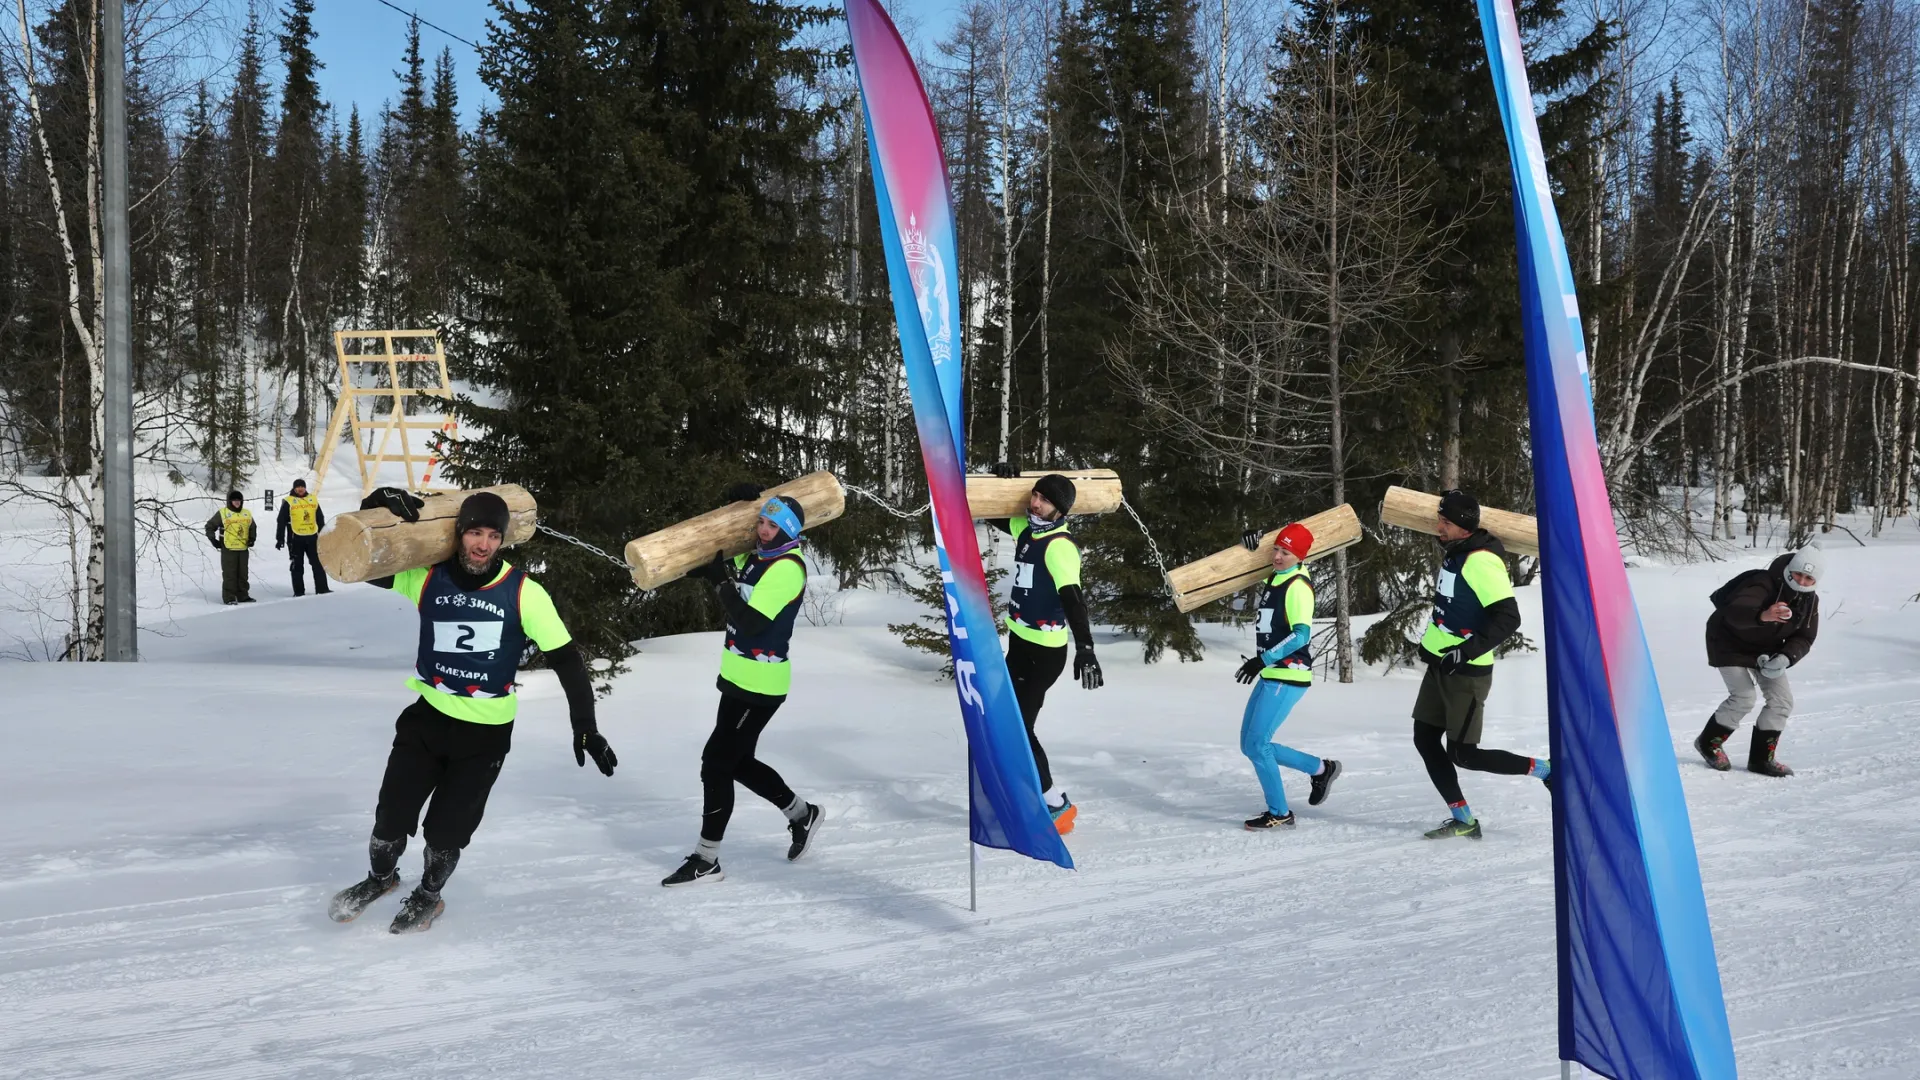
(298, 483)
(482, 509)
(1057, 490)
(232, 495)
(1460, 508)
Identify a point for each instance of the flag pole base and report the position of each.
(973, 882)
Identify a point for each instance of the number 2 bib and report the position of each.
(470, 639)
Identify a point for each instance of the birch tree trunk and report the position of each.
(1005, 88)
(1046, 288)
(88, 328)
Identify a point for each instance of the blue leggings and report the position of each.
(1267, 709)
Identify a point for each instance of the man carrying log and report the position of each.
(1046, 601)
(298, 526)
(1473, 612)
(477, 614)
(760, 592)
(1281, 669)
(232, 531)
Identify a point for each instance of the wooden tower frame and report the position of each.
(384, 423)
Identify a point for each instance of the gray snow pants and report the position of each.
(1740, 686)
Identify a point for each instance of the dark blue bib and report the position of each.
(1273, 627)
(470, 640)
(1456, 607)
(1036, 600)
(771, 643)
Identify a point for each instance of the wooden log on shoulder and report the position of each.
(671, 553)
(1095, 491)
(1420, 512)
(368, 544)
(1224, 573)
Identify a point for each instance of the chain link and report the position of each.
(579, 543)
(904, 515)
(1152, 548)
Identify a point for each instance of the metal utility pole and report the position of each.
(122, 623)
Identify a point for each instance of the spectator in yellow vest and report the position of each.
(299, 525)
(232, 531)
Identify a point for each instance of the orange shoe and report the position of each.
(1063, 817)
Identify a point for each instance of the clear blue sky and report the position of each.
(360, 42)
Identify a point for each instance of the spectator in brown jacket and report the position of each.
(1763, 622)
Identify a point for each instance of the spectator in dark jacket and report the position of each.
(1763, 623)
(232, 531)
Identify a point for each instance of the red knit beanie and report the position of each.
(1296, 538)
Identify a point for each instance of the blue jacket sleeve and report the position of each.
(1302, 634)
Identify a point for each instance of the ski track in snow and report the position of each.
(173, 830)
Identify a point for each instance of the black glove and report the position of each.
(590, 743)
(402, 504)
(1451, 662)
(716, 572)
(279, 545)
(1251, 539)
(1250, 670)
(1006, 470)
(1086, 668)
(743, 493)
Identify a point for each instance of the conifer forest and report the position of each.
(1256, 256)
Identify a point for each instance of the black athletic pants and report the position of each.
(308, 548)
(1441, 761)
(454, 761)
(1034, 669)
(729, 758)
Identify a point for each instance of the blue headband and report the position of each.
(782, 516)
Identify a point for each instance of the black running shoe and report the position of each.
(1455, 827)
(694, 871)
(349, 902)
(1270, 820)
(417, 912)
(804, 830)
(1323, 782)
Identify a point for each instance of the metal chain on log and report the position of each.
(903, 515)
(1152, 548)
(578, 542)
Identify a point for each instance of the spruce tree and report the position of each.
(244, 173)
(294, 302)
(649, 271)
(1127, 125)
(200, 259)
(1438, 68)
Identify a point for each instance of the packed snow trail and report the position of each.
(173, 830)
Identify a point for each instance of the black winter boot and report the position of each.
(423, 904)
(1709, 741)
(1760, 757)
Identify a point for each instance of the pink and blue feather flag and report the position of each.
(1640, 995)
(916, 230)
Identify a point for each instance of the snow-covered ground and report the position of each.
(170, 831)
